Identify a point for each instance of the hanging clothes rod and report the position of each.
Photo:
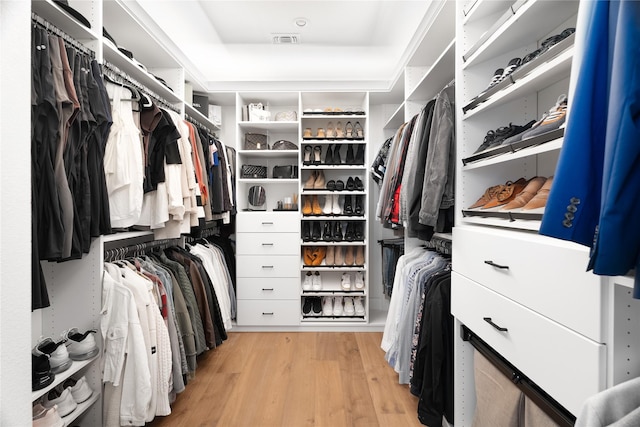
(195, 122)
(113, 71)
(550, 406)
(137, 249)
(49, 27)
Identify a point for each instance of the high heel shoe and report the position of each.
(359, 160)
(328, 157)
(307, 155)
(309, 184)
(317, 154)
(350, 158)
(319, 183)
(359, 132)
(330, 132)
(315, 206)
(307, 133)
(320, 134)
(348, 129)
(339, 131)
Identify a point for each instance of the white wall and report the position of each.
(15, 213)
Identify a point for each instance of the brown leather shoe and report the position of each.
(320, 253)
(330, 257)
(539, 201)
(489, 194)
(338, 254)
(360, 255)
(508, 192)
(527, 194)
(308, 255)
(348, 255)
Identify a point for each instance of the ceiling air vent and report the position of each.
(285, 38)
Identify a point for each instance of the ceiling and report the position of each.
(227, 45)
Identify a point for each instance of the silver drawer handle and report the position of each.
(267, 314)
(493, 264)
(267, 289)
(267, 244)
(267, 223)
(499, 328)
(267, 266)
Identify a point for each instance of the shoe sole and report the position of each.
(84, 356)
(62, 367)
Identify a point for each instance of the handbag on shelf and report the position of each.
(286, 116)
(253, 171)
(286, 172)
(257, 197)
(255, 141)
(284, 145)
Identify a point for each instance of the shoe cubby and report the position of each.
(507, 124)
(334, 200)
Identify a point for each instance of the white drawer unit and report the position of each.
(538, 272)
(269, 288)
(268, 244)
(268, 266)
(268, 222)
(268, 312)
(549, 354)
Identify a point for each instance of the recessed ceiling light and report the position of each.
(301, 22)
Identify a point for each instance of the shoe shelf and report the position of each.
(334, 292)
(332, 141)
(341, 217)
(531, 21)
(542, 77)
(257, 126)
(80, 409)
(332, 318)
(550, 141)
(76, 366)
(268, 153)
(267, 180)
(329, 268)
(330, 243)
(480, 9)
(519, 224)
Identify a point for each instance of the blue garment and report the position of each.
(598, 173)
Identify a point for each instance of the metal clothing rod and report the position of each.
(137, 249)
(40, 21)
(195, 122)
(112, 70)
(549, 405)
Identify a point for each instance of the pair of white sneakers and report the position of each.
(312, 282)
(345, 282)
(66, 397)
(342, 306)
(73, 345)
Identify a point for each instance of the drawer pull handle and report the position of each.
(267, 289)
(267, 314)
(267, 244)
(267, 266)
(493, 264)
(267, 223)
(489, 321)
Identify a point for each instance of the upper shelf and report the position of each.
(483, 8)
(61, 19)
(437, 76)
(531, 22)
(198, 116)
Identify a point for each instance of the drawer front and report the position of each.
(563, 363)
(541, 273)
(268, 222)
(268, 266)
(269, 288)
(268, 244)
(268, 312)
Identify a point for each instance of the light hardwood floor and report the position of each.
(292, 380)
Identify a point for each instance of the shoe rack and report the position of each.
(505, 288)
(334, 243)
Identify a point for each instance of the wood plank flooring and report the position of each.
(294, 379)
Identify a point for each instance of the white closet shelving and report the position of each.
(513, 274)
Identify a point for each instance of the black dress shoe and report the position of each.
(316, 233)
(328, 157)
(327, 236)
(359, 184)
(337, 231)
(306, 231)
(351, 184)
(350, 158)
(358, 210)
(349, 235)
(347, 209)
(360, 155)
(337, 160)
(339, 185)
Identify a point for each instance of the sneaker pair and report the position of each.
(46, 417)
(332, 306)
(312, 282)
(312, 306)
(66, 396)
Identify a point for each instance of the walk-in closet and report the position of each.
(319, 213)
